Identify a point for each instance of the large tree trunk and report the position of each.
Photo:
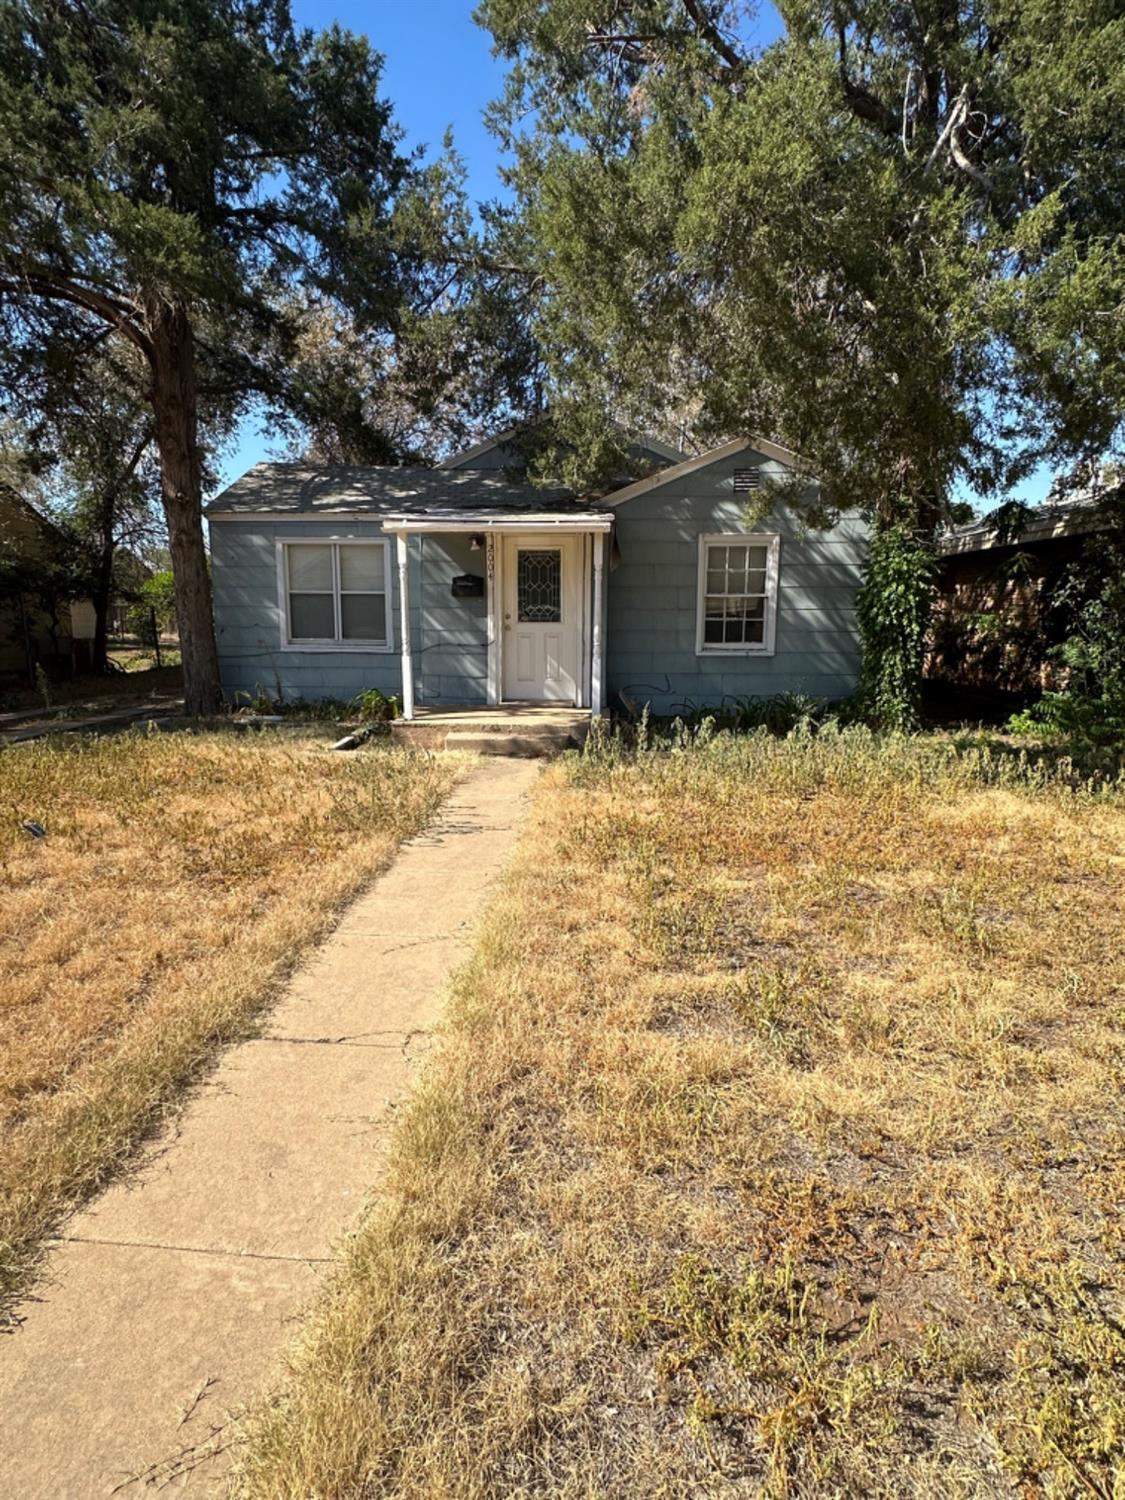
(174, 409)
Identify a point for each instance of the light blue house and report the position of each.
(458, 586)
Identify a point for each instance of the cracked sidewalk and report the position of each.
(165, 1302)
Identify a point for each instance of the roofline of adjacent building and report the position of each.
(1077, 521)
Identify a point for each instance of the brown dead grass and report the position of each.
(180, 877)
(775, 1146)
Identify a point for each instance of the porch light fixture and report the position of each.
(476, 543)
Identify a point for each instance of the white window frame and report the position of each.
(771, 541)
(337, 643)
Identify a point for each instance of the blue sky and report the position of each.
(440, 73)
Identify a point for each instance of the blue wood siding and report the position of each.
(448, 635)
(653, 592)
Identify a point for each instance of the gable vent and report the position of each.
(747, 479)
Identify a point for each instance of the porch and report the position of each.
(543, 595)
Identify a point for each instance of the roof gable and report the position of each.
(703, 461)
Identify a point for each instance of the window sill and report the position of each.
(735, 651)
(367, 648)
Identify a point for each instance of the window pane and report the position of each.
(310, 569)
(539, 587)
(737, 597)
(311, 617)
(363, 617)
(362, 568)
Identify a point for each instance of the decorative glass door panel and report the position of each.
(539, 586)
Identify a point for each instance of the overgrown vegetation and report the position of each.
(893, 611)
(371, 706)
(1091, 706)
(774, 1146)
(179, 878)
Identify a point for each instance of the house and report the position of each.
(35, 616)
(996, 617)
(461, 586)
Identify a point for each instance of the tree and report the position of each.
(87, 431)
(892, 240)
(168, 169)
(460, 361)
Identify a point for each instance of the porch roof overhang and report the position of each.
(584, 521)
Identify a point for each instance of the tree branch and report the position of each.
(707, 29)
(41, 281)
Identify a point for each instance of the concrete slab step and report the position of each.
(526, 742)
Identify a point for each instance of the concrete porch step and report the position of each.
(518, 731)
(526, 742)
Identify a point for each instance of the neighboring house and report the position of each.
(33, 631)
(460, 586)
(996, 618)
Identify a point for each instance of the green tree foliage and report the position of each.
(176, 175)
(154, 610)
(891, 241)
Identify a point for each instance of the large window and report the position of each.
(335, 594)
(737, 605)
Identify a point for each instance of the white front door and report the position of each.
(541, 618)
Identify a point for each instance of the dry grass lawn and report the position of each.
(180, 877)
(775, 1145)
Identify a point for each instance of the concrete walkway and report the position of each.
(165, 1303)
(28, 728)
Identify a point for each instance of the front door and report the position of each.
(541, 624)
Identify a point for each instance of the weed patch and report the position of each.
(773, 1147)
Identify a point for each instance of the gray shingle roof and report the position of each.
(303, 489)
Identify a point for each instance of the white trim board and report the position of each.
(517, 525)
(771, 541)
(382, 648)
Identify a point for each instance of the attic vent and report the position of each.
(747, 479)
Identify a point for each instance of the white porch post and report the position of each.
(597, 666)
(404, 616)
(492, 612)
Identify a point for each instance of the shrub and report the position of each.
(374, 706)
